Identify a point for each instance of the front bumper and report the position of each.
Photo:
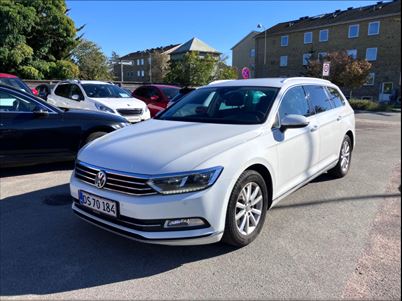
(209, 205)
(137, 118)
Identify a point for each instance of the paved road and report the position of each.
(331, 239)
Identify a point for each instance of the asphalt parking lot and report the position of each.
(331, 239)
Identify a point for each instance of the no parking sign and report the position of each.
(326, 68)
(245, 72)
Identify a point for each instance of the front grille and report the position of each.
(115, 181)
(129, 112)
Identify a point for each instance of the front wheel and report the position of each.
(247, 209)
(345, 158)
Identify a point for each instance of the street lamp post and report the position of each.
(260, 26)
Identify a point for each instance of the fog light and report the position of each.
(184, 223)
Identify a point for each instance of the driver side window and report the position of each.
(12, 103)
(294, 103)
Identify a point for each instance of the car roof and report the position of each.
(94, 82)
(270, 82)
(6, 75)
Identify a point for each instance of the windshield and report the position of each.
(170, 92)
(16, 83)
(104, 91)
(230, 105)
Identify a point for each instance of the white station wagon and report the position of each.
(210, 166)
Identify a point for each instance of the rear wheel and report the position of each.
(247, 209)
(345, 158)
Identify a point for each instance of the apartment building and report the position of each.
(142, 65)
(243, 54)
(372, 32)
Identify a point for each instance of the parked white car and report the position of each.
(98, 96)
(210, 166)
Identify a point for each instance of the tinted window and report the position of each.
(318, 98)
(170, 92)
(11, 103)
(294, 102)
(230, 105)
(63, 90)
(16, 83)
(335, 97)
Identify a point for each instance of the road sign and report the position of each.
(326, 68)
(245, 72)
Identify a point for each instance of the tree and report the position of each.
(345, 71)
(159, 67)
(91, 61)
(36, 38)
(195, 70)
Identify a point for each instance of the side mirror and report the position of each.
(293, 122)
(40, 112)
(75, 97)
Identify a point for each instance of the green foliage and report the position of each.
(345, 71)
(369, 105)
(91, 61)
(194, 70)
(36, 38)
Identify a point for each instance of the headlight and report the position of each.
(120, 125)
(186, 182)
(146, 110)
(103, 108)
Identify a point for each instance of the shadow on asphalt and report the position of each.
(28, 170)
(45, 248)
(386, 114)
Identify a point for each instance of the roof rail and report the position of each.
(220, 81)
(285, 80)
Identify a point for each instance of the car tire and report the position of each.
(244, 220)
(345, 158)
(93, 136)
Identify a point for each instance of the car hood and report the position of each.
(121, 103)
(159, 146)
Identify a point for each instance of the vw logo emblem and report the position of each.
(100, 179)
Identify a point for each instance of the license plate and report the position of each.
(133, 119)
(98, 204)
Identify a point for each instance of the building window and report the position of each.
(142, 73)
(138, 73)
(306, 58)
(371, 54)
(324, 35)
(284, 41)
(354, 31)
(322, 55)
(252, 52)
(370, 79)
(142, 61)
(308, 37)
(138, 62)
(352, 53)
(283, 61)
(374, 28)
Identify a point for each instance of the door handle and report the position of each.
(314, 128)
(339, 118)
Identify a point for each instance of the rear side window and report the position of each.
(294, 103)
(318, 98)
(63, 90)
(335, 97)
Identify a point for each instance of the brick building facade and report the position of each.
(372, 32)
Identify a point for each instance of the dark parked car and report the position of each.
(33, 132)
(180, 95)
(44, 90)
(156, 97)
(16, 82)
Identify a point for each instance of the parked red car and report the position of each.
(16, 82)
(156, 97)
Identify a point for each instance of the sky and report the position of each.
(128, 26)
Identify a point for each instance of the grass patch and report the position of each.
(369, 105)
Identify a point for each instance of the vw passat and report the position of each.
(210, 166)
